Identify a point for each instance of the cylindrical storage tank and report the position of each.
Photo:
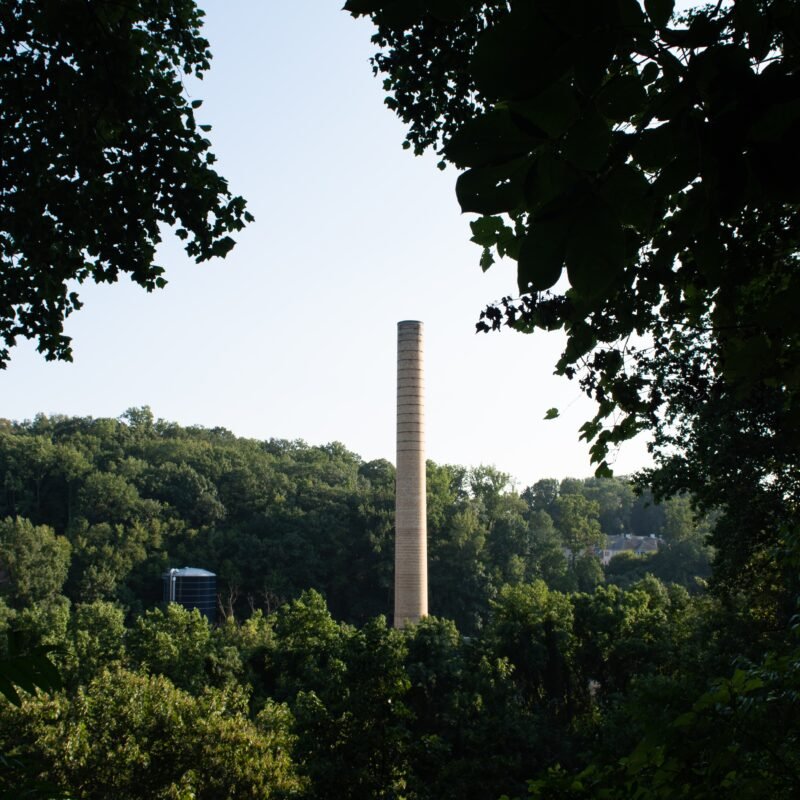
(191, 587)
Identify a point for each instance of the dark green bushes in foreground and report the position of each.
(297, 704)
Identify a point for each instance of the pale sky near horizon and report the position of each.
(294, 334)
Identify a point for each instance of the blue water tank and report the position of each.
(191, 587)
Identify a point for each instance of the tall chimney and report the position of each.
(411, 527)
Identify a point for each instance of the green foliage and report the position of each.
(346, 690)
(132, 736)
(95, 640)
(542, 494)
(624, 634)
(46, 623)
(301, 538)
(33, 561)
(175, 643)
(239, 654)
(102, 148)
(546, 557)
(28, 671)
(192, 496)
(106, 553)
(135, 496)
(532, 627)
(577, 520)
(587, 572)
(683, 557)
(457, 572)
(738, 739)
(615, 500)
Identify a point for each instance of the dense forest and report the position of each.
(123, 500)
(638, 163)
(534, 655)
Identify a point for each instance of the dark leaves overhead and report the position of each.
(542, 254)
(649, 154)
(491, 138)
(100, 149)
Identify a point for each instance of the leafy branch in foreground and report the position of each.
(647, 158)
(99, 148)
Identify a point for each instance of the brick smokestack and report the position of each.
(411, 527)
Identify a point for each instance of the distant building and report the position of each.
(626, 543)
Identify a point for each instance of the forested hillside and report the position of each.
(97, 509)
(534, 656)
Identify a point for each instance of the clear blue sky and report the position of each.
(293, 335)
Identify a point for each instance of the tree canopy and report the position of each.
(100, 149)
(638, 164)
(98, 508)
(546, 659)
(650, 156)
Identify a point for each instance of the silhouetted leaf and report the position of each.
(749, 18)
(554, 110)
(549, 177)
(650, 72)
(447, 10)
(775, 122)
(520, 55)
(631, 14)
(586, 145)
(622, 97)
(27, 671)
(490, 138)
(656, 147)
(660, 11)
(491, 190)
(595, 250)
(627, 190)
(603, 470)
(7, 689)
(542, 254)
(594, 54)
(398, 14)
(486, 230)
